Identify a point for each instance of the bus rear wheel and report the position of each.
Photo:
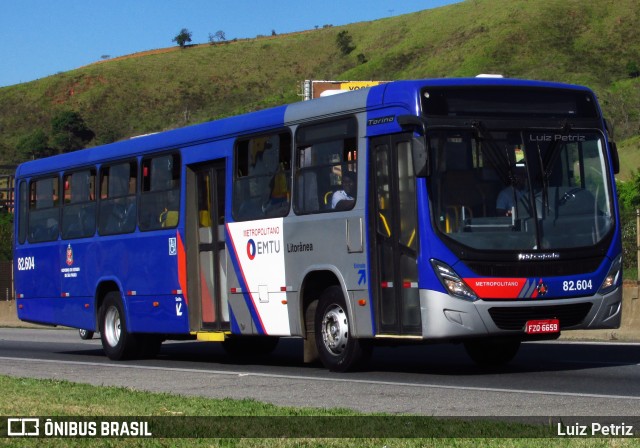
(338, 350)
(85, 334)
(492, 352)
(117, 342)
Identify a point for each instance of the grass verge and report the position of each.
(180, 421)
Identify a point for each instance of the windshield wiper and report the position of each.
(550, 158)
(553, 151)
(501, 163)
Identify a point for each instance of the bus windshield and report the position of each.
(520, 189)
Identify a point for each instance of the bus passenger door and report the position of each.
(394, 234)
(206, 266)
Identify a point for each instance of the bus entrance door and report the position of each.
(394, 234)
(206, 270)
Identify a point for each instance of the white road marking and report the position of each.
(311, 378)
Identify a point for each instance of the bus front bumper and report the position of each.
(447, 317)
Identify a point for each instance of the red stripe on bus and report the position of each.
(182, 268)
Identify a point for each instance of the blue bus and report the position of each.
(479, 211)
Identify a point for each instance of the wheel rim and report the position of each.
(112, 326)
(335, 330)
(83, 333)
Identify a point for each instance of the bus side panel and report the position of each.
(37, 282)
(76, 279)
(329, 242)
(257, 255)
(321, 243)
(76, 304)
(34, 271)
(146, 265)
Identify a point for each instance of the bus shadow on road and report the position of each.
(430, 359)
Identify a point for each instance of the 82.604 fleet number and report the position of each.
(578, 285)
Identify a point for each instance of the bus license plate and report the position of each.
(542, 326)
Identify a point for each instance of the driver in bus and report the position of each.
(512, 194)
(345, 198)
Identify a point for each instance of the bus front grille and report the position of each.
(514, 318)
(549, 268)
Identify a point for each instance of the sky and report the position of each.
(39, 38)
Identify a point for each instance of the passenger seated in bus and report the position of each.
(169, 214)
(512, 194)
(277, 203)
(345, 198)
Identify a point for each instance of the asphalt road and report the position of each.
(545, 379)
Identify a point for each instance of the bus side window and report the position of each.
(326, 166)
(160, 195)
(44, 213)
(117, 199)
(79, 208)
(262, 178)
(22, 212)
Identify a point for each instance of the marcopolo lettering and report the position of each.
(538, 257)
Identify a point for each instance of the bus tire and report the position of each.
(117, 342)
(492, 352)
(85, 334)
(339, 352)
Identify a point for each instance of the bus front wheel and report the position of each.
(117, 342)
(339, 351)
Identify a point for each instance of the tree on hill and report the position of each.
(69, 132)
(183, 38)
(34, 145)
(345, 42)
(219, 36)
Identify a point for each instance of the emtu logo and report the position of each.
(251, 249)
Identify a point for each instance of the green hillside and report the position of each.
(592, 43)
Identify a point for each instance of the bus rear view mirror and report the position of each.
(418, 147)
(420, 155)
(615, 159)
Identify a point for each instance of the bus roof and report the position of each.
(397, 92)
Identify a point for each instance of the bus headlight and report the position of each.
(611, 280)
(452, 282)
